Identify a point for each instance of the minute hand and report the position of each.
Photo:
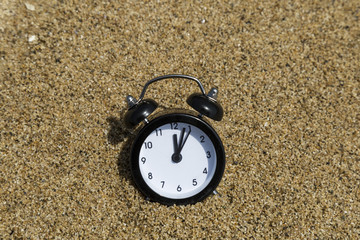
(182, 143)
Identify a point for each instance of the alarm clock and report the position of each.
(177, 157)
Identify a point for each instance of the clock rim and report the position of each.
(160, 121)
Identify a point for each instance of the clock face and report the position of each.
(177, 158)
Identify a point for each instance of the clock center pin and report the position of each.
(176, 158)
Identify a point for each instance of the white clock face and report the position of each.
(177, 160)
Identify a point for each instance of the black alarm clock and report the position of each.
(176, 158)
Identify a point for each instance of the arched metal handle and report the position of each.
(204, 104)
(170, 76)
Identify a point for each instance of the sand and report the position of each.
(288, 75)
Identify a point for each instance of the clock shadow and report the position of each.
(117, 134)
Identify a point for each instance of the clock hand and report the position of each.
(181, 140)
(176, 146)
(176, 157)
(183, 143)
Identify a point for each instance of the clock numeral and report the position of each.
(148, 145)
(202, 139)
(150, 176)
(208, 155)
(158, 132)
(174, 125)
(205, 171)
(189, 128)
(178, 189)
(162, 184)
(194, 182)
(143, 160)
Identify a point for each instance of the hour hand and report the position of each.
(176, 157)
(175, 143)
